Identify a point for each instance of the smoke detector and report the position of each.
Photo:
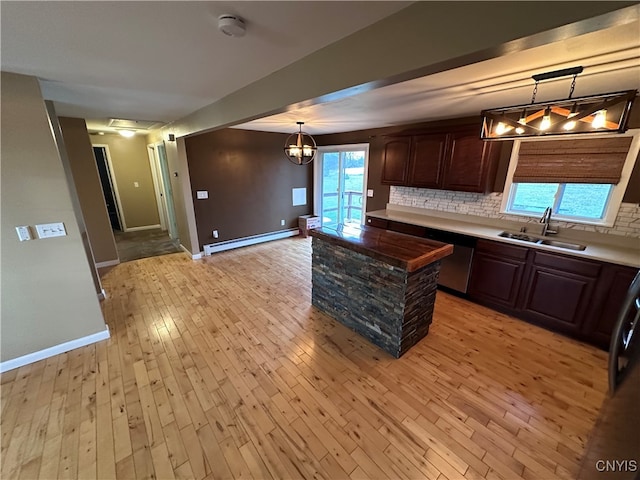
(231, 25)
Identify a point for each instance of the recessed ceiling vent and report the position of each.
(134, 124)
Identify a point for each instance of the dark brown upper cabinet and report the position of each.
(395, 166)
(427, 160)
(470, 164)
(453, 160)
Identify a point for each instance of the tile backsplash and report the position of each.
(627, 222)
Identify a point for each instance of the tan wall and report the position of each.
(183, 201)
(130, 161)
(87, 182)
(48, 295)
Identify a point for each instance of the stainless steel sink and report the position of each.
(542, 241)
(519, 236)
(559, 244)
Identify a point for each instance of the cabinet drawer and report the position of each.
(502, 249)
(377, 222)
(407, 228)
(567, 264)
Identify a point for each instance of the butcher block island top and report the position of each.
(378, 283)
(398, 249)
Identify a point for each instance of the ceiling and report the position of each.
(159, 61)
(611, 61)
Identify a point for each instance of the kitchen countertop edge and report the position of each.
(422, 255)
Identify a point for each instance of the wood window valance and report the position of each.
(592, 160)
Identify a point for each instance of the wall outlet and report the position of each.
(136, 184)
(215, 234)
(370, 192)
(202, 194)
(282, 222)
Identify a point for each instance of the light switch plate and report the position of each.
(48, 230)
(370, 192)
(202, 194)
(24, 233)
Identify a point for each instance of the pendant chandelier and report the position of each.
(608, 112)
(300, 147)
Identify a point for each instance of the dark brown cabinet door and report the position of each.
(559, 292)
(611, 289)
(395, 164)
(377, 222)
(407, 228)
(470, 163)
(426, 164)
(496, 274)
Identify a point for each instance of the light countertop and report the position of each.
(615, 252)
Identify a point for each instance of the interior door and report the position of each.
(341, 175)
(168, 197)
(107, 187)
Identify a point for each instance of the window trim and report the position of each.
(615, 197)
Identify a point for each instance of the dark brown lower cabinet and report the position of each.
(558, 291)
(496, 274)
(377, 222)
(611, 289)
(577, 297)
(409, 229)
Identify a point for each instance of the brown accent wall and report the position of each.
(249, 181)
(130, 161)
(87, 182)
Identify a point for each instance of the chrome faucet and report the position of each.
(545, 219)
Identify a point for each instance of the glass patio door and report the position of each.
(340, 181)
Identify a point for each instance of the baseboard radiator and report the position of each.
(252, 240)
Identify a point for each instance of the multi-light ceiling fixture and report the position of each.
(608, 112)
(300, 147)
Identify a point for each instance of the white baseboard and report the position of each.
(55, 350)
(144, 227)
(196, 256)
(108, 263)
(243, 242)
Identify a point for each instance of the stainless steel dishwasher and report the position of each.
(454, 269)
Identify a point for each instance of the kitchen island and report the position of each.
(379, 283)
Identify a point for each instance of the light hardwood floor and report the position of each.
(220, 368)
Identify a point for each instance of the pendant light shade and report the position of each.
(607, 112)
(300, 147)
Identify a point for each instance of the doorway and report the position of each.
(164, 191)
(340, 178)
(102, 161)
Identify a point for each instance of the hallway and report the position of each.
(144, 243)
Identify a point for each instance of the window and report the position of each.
(575, 200)
(579, 186)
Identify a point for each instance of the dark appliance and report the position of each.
(454, 269)
(613, 449)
